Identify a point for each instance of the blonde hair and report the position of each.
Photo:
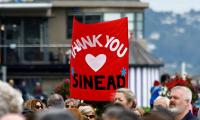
(86, 109)
(76, 113)
(129, 95)
(162, 101)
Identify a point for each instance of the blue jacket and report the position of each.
(189, 116)
(154, 93)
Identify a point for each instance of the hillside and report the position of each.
(175, 37)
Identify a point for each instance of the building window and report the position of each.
(139, 31)
(135, 22)
(111, 16)
(21, 34)
(83, 18)
(131, 23)
(34, 34)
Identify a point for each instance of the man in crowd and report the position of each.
(55, 101)
(180, 103)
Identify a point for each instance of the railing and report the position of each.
(49, 54)
(25, 1)
(48, 1)
(95, 0)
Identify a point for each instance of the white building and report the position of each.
(143, 70)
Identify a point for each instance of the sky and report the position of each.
(176, 6)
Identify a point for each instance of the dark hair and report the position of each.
(164, 78)
(159, 113)
(118, 112)
(128, 115)
(114, 109)
(55, 114)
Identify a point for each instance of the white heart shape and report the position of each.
(95, 62)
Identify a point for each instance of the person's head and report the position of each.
(54, 114)
(156, 83)
(11, 100)
(158, 115)
(139, 111)
(28, 114)
(34, 105)
(76, 113)
(162, 101)
(71, 103)
(164, 79)
(88, 111)
(128, 115)
(118, 112)
(112, 112)
(12, 117)
(55, 101)
(125, 97)
(180, 100)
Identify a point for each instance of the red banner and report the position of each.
(99, 59)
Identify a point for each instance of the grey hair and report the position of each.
(11, 100)
(187, 92)
(130, 96)
(56, 101)
(75, 101)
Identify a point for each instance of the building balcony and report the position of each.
(100, 3)
(25, 1)
(35, 60)
(34, 55)
(16, 4)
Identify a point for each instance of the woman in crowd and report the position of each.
(88, 112)
(127, 98)
(71, 103)
(34, 105)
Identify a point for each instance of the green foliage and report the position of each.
(62, 88)
(146, 109)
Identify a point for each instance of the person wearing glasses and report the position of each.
(34, 105)
(71, 103)
(88, 112)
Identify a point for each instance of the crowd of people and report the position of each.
(123, 107)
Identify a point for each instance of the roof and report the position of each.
(139, 56)
(100, 3)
